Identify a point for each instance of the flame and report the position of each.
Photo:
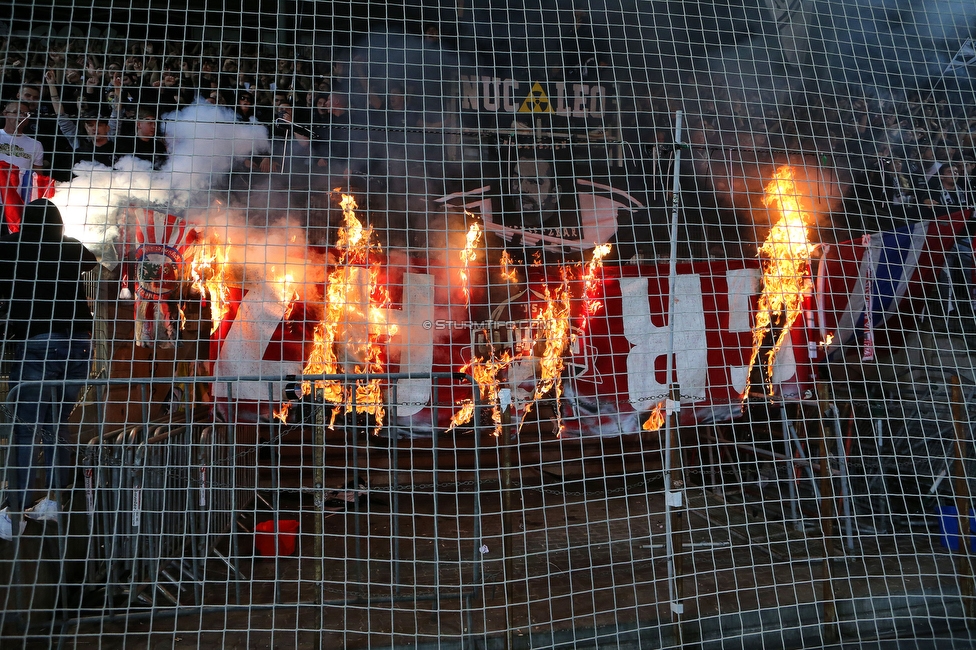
(208, 262)
(282, 413)
(786, 253)
(355, 301)
(509, 274)
(551, 337)
(553, 327)
(485, 374)
(468, 255)
(656, 419)
(591, 282)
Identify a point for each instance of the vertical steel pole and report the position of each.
(504, 398)
(673, 485)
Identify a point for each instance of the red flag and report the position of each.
(17, 189)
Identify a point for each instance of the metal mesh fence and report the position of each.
(488, 324)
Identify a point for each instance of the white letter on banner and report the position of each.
(742, 285)
(242, 352)
(651, 342)
(416, 342)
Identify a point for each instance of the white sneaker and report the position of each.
(44, 510)
(7, 527)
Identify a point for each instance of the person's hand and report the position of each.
(50, 77)
(265, 165)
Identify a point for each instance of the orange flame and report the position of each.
(655, 420)
(509, 274)
(282, 413)
(591, 282)
(207, 266)
(485, 373)
(552, 325)
(787, 252)
(468, 255)
(352, 304)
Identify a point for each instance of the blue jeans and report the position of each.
(42, 408)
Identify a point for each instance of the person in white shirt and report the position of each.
(17, 149)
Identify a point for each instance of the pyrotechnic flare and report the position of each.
(786, 254)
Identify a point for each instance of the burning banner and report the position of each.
(617, 366)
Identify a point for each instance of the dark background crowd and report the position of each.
(101, 100)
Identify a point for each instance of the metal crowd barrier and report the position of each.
(164, 503)
(145, 526)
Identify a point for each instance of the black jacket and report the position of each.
(40, 276)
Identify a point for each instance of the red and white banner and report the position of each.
(615, 364)
(17, 189)
(158, 243)
(618, 366)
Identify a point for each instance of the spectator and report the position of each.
(97, 142)
(290, 145)
(245, 107)
(946, 189)
(17, 149)
(140, 138)
(49, 317)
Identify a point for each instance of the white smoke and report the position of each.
(203, 142)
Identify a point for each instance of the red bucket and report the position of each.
(273, 533)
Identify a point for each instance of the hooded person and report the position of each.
(49, 323)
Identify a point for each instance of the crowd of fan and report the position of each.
(101, 100)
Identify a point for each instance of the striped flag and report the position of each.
(864, 283)
(159, 242)
(17, 189)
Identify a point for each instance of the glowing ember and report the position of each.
(655, 420)
(508, 272)
(786, 254)
(468, 255)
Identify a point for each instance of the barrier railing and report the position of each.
(163, 501)
(319, 530)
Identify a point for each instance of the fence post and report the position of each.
(676, 504)
(507, 527)
(826, 517)
(963, 499)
